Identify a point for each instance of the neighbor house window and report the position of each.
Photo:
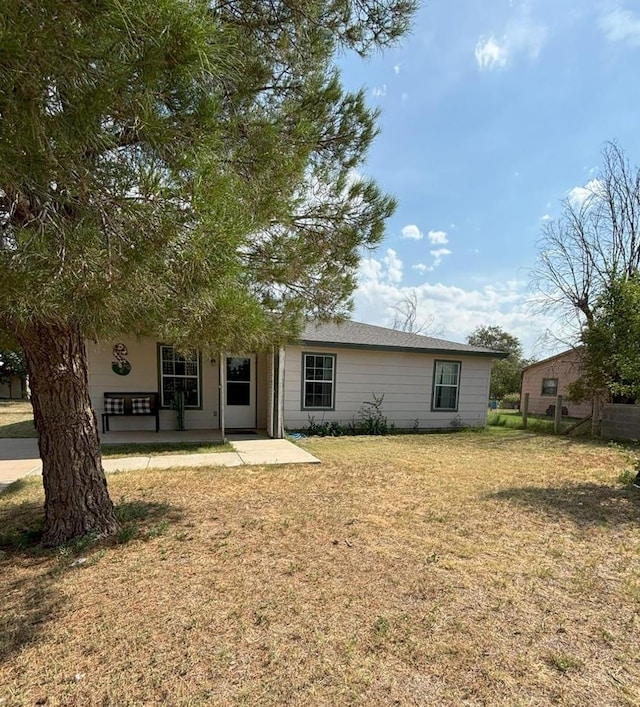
(549, 386)
(318, 381)
(179, 372)
(446, 385)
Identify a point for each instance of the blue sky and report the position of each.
(493, 112)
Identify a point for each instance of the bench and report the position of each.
(130, 405)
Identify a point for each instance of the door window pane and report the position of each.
(238, 381)
(238, 369)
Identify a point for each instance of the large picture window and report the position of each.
(318, 381)
(446, 385)
(179, 372)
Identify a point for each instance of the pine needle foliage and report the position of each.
(185, 169)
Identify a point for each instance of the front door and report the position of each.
(240, 393)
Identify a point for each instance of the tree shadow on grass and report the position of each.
(12, 487)
(588, 505)
(32, 597)
(18, 430)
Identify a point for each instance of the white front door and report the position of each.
(240, 392)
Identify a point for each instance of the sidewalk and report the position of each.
(19, 458)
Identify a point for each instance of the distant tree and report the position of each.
(181, 169)
(611, 354)
(587, 271)
(12, 365)
(506, 373)
(405, 317)
(594, 242)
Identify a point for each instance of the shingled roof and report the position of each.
(355, 335)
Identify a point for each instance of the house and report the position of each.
(327, 375)
(12, 388)
(547, 379)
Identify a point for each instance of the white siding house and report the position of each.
(427, 383)
(405, 379)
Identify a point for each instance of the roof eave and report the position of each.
(403, 349)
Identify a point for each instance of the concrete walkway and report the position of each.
(20, 458)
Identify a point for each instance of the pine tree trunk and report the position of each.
(76, 498)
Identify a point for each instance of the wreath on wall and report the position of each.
(120, 366)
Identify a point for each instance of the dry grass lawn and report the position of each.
(16, 419)
(458, 569)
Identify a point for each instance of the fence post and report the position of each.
(525, 411)
(557, 425)
(595, 416)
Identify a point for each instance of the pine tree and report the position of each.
(173, 168)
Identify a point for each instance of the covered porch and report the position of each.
(222, 394)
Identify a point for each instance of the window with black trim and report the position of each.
(318, 381)
(549, 386)
(446, 385)
(179, 372)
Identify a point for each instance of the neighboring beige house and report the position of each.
(427, 383)
(13, 389)
(547, 379)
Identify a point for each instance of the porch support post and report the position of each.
(271, 393)
(222, 376)
(279, 421)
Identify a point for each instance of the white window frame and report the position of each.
(542, 390)
(436, 386)
(162, 375)
(306, 380)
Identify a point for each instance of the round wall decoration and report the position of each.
(120, 366)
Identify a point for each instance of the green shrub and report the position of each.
(325, 428)
(510, 401)
(370, 419)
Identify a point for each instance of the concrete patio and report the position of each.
(20, 457)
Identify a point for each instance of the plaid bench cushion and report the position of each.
(114, 406)
(141, 406)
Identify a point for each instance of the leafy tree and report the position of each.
(587, 272)
(611, 357)
(506, 372)
(594, 242)
(179, 169)
(12, 365)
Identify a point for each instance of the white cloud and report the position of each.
(396, 69)
(380, 91)
(578, 196)
(621, 26)
(412, 232)
(490, 54)
(438, 237)
(392, 266)
(522, 36)
(438, 255)
(545, 217)
(456, 311)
